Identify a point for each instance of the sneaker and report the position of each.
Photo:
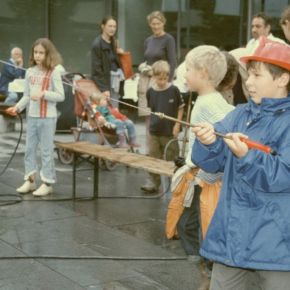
(26, 187)
(43, 190)
(149, 187)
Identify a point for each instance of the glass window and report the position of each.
(73, 27)
(220, 23)
(21, 23)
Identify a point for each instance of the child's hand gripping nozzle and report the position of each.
(258, 146)
(250, 143)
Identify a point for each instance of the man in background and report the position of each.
(261, 26)
(12, 70)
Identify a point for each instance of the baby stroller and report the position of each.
(88, 128)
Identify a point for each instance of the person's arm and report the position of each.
(171, 55)
(267, 173)
(56, 93)
(22, 103)
(176, 128)
(13, 72)
(208, 151)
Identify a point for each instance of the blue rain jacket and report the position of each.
(251, 225)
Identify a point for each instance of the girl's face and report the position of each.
(109, 29)
(157, 27)
(39, 54)
(261, 83)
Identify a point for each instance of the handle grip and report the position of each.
(256, 145)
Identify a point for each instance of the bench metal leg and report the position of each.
(96, 177)
(75, 157)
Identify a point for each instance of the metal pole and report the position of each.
(178, 29)
(186, 128)
(249, 19)
(47, 19)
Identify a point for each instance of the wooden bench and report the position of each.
(117, 155)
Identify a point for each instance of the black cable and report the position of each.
(115, 258)
(18, 197)
(16, 147)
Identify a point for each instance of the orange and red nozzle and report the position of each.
(252, 144)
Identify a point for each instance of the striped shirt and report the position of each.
(209, 108)
(37, 80)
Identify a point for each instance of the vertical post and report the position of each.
(74, 175)
(47, 18)
(189, 104)
(122, 23)
(96, 177)
(178, 30)
(241, 30)
(249, 18)
(188, 24)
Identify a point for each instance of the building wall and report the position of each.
(72, 25)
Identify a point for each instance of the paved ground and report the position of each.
(109, 243)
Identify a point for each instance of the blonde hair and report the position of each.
(158, 15)
(211, 59)
(160, 67)
(97, 97)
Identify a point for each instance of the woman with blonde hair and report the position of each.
(158, 46)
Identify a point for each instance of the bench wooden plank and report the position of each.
(121, 156)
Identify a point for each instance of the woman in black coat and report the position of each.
(106, 68)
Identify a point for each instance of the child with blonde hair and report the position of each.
(112, 118)
(206, 67)
(165, 98)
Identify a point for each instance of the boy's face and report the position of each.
(194, 78)
(161, 81)
(261, 84)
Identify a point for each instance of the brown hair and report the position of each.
(52, 56)
(274, 70)
(267, 19)
(104, 22)
(232, 71)
(285, 15)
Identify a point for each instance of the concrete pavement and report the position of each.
(109, 243)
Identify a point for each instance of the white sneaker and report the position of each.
(43, 190)
(26, 187)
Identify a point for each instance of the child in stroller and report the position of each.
(105, 114)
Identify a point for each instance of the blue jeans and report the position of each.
(122, 126)
(40, 131)
(11, 98)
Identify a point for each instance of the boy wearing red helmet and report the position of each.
(250, 230)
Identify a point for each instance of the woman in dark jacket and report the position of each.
(106, 67)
